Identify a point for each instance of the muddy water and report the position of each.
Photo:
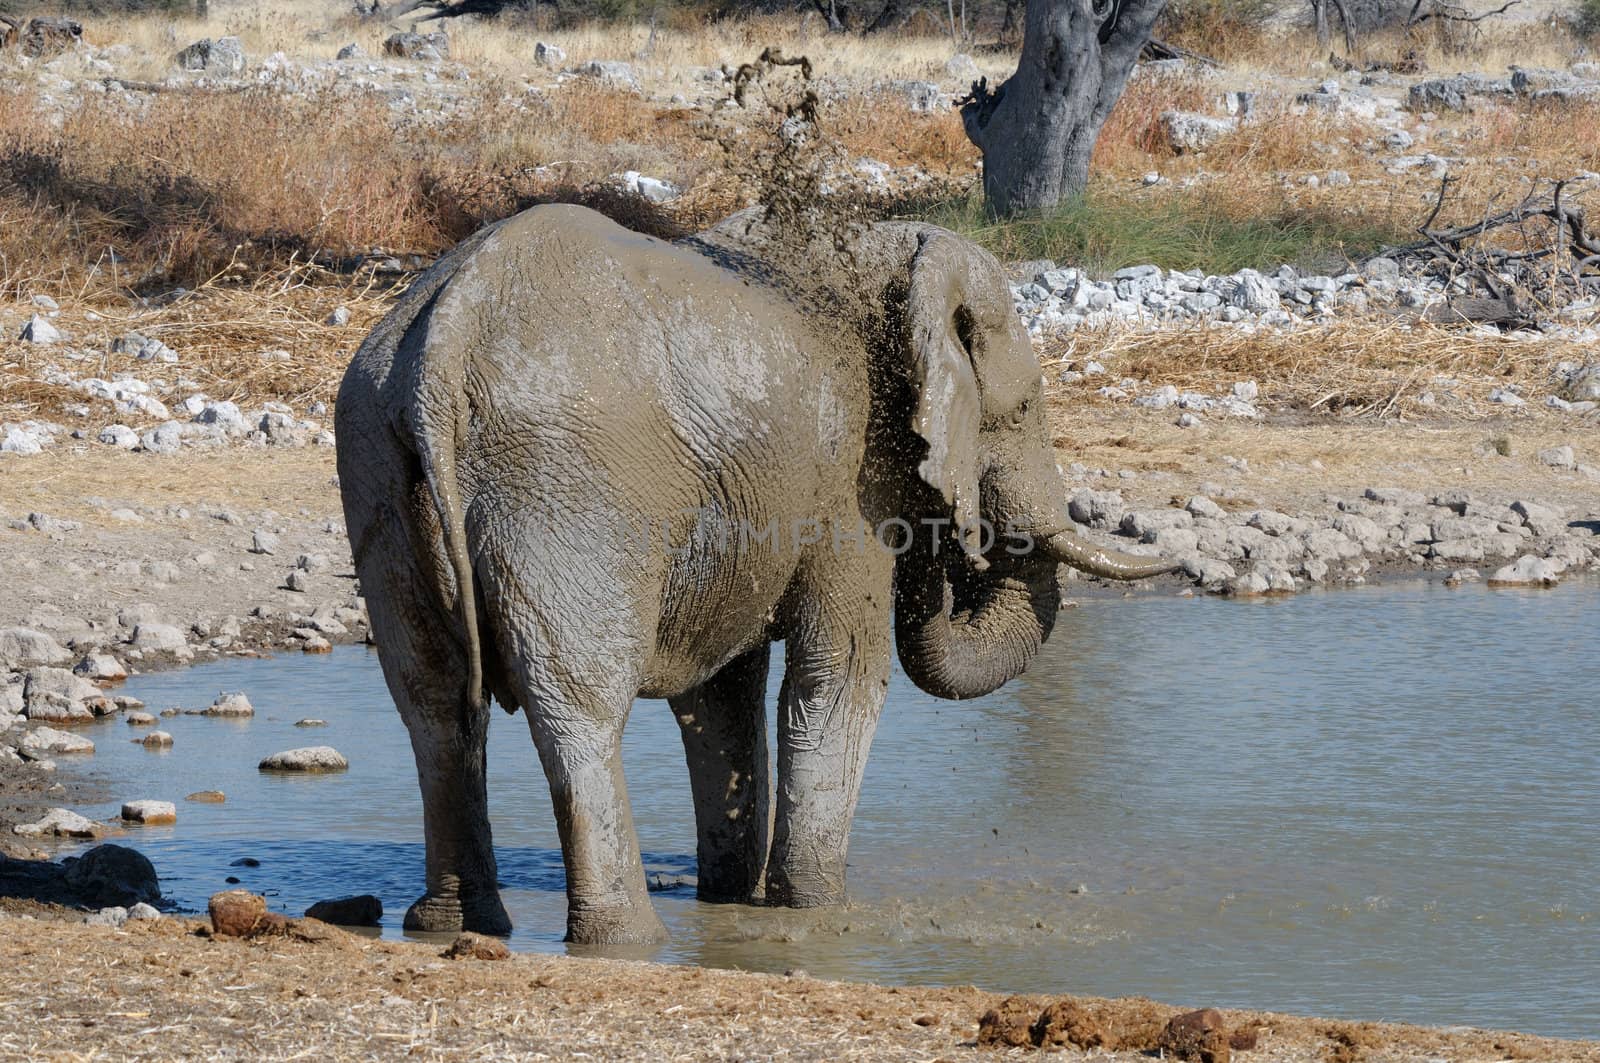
(1381, 803)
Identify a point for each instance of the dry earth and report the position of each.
(162, 991)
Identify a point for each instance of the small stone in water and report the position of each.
(207, 797)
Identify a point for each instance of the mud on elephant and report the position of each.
(582, 466)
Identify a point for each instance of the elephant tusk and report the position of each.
(1068, 548)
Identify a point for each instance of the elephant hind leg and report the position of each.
(425, 670)
(724, 725)
(570, 648)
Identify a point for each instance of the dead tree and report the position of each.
(1038, 129)
(1551, 256)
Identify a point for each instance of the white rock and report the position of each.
(58, 823)
(39, 330)
(1559, 457)
(20, 441)
(43, 740)
(21, 645)
(233, 705)
(1528, 570)
(119, 435)
(149, 812)
(306, 759)
(548, 55)
(159, 637)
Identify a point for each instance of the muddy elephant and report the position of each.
(582, 466)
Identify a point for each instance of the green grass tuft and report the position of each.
(1180, 231)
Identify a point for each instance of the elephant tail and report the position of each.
(441, 430)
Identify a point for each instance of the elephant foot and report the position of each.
(739, 886)
(615, 926)
(804, 891)
(447, 915)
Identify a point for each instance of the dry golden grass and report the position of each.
(1357, 368)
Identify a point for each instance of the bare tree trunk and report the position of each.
(1008, 25)
(1319, 15)
(1037, 130)
(887, 17)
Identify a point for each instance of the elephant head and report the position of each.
(976, 595)
(963, 424)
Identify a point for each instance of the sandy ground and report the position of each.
(161, 991)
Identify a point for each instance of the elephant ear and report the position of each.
(945, 341)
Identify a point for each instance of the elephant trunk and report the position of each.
(962, 634)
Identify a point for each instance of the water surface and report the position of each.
(1382, 803)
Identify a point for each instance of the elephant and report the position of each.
(581, 466)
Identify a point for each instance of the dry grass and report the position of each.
(158, 989)
(1357, 368)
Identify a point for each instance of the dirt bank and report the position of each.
(158, 990)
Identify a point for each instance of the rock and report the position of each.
(610, 73)
(20, 441)
(1528, 570)
(424, 47)
(316, 644)
(142, 912)
(476, 947)
(1541, 520)
(1395, 496)
(160, 638)
(651, 188)
(1186, 131)
(58, 823)
(922, 97)
(45, 740)
(1458, 93)
(1252, 292)
(548, 55)
(1558, 457)
(39, 330)
(297, 581)
(306, 759)
(363, 910)
(118, 435)
(263, 542)
(21, 645)
(156, 740)
(309, 722)
(57, 694)
(150, 813)
(162, 439)
(237, 913)
(1199, 1036)
(112, 875)
(351, 51)
(139, 719)
(207, 797)
(107, 917)
(223, 57)
(144, 348)
(234, 705)
(100, 666)
(1249, 585)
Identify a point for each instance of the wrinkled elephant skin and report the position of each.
(581, 466)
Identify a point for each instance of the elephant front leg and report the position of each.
(462, 888)
(724, 725)
(833, 692)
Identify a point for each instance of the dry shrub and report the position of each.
(1132, 135)
(1225, 30)
(873, 126)
(1350, 367)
